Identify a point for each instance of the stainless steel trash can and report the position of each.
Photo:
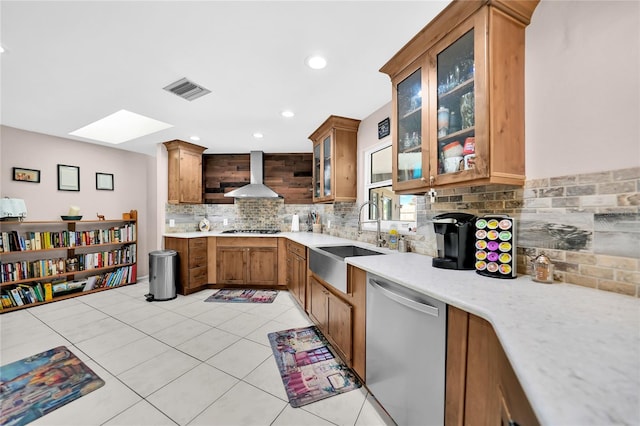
(163, 270)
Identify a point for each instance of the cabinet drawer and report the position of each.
(197, 244)
(198, 276)
(247, 242)
(297, 249)
(198, 259)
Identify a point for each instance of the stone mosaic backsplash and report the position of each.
(589, 225)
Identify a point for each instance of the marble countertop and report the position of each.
(575, 350)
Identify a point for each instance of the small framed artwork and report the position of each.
(68, 178)
(26, 175)
(384, 128)
(104, 181)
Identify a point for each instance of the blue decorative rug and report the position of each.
(39, 384)
(309, 367)
(243, 296)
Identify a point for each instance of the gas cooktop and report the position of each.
(251, 231)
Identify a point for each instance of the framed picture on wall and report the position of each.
(26, 175)
(384, 128)
(104, 181)
(68, 178)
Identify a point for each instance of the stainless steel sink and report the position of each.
(349, 251)
(328, 263)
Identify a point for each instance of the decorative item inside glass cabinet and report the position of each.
(410, 127)
(456, 106)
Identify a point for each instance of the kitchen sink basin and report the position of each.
(328, 263)
(349, 251)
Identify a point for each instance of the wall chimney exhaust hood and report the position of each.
(256, 189)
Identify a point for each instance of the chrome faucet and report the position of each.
(379, 240)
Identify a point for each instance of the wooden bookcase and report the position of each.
(65, 256)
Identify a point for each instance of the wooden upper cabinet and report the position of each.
(335, 155)
(458, 98)
(185, 172)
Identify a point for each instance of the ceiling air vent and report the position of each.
(186, 89)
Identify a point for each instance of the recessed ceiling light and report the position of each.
(195, 138)
(258, 135)
(1, 49)
(287, 114)
(316, 62)
(119, 127)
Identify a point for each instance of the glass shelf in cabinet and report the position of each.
(462, 87)
(458, 134)
(410, 113)
(410, 149)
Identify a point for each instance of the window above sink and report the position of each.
(395, 209)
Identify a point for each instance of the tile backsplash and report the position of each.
(589, 225)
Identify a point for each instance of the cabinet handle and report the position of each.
(409, 303)
(432, 179)
(423, 179)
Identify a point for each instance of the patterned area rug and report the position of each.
(39, 384)
(243, 296)
(309, 367)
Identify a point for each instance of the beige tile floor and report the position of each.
(182, 361)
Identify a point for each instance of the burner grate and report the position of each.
(251, 231)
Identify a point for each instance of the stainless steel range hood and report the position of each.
(256, 189)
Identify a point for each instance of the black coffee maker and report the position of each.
(455, 236)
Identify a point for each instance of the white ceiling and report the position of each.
(69, 63)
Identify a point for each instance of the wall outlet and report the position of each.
(225, 221)
(328, 224)
(172, 223)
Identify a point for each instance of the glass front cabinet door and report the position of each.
(335, 160)
(322, 169)
(317, 167)
(458, 93)
(410, 155)
(458, 99)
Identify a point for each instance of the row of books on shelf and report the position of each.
(14, 241)
(25, 269)
(26, 294)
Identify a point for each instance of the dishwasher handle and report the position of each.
(418, 306)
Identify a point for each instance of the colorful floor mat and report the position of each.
(243, 296)
(39, 384)
(309, 367)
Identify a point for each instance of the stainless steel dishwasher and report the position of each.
(406, 351)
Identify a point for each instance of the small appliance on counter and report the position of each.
(495, 246)
(454, 237)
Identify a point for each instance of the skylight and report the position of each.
(119, 127)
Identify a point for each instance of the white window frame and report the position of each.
(403, 226)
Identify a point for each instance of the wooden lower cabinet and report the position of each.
(246, 260)
(192, 263)
(232, 265)
(297, 271)
(482, 387)
(342, 316)
(340, 325)
(318, 303)
(333, 316)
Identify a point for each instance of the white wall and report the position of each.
(368, 139)
(31, 150)
(582, 90)
(582, 87)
